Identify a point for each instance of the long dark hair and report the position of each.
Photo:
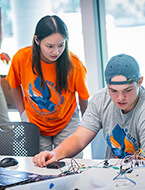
(47, 26)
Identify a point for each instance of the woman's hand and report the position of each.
(44, 158)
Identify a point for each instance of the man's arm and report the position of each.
(68, 148)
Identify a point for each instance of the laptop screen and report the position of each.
(10, 178)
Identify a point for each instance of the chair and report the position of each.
(19, 139)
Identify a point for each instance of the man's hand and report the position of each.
(44, 158)
(5, 57)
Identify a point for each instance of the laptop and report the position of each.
(10, 178)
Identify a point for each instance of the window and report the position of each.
(19, 19)
(7, 45)
(125, 25)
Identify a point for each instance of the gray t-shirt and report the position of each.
(125, 132)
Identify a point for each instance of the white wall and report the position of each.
(25, 17)
(91, 46)
(95, 55)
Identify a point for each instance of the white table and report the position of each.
(89, 179)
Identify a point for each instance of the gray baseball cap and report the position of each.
(125, 65)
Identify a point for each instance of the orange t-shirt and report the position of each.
(49, 110)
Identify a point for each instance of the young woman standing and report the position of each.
(44, 79)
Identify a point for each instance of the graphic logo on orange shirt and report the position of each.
(119, 143)
(46, 99)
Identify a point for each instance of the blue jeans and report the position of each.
(49, 143)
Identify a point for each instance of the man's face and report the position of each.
(124, 96)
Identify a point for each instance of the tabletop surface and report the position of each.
(94, 175)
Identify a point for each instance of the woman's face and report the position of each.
(51, 47)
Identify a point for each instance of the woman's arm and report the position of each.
(18, 98)
(83, 105)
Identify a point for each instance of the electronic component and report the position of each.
(56, 165)
(106, 163)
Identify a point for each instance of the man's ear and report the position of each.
(140, 81)
(36, 40)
